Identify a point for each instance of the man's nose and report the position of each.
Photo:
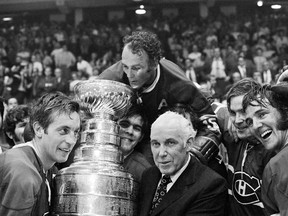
(71, 138)
(239, 118)
(255, 124)
(162, 150)
(129, 129)
(129, 73)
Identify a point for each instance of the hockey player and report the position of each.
(160, 84)
(267, 114)
(246, 156)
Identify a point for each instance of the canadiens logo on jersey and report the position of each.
(245, 187)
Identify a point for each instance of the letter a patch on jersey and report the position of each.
(162, 104)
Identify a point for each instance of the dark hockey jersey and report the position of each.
(246, 163)
(171, 87)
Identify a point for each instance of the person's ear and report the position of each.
(190, 143)
(38, 129)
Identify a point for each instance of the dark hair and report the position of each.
(147, 41)
(248, 87)
(184, 110)
(279, 100)
(28, 133)
(253, 91)
(49, 106)
(137, 110)
(15, 116)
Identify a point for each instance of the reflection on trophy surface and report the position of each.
(96, 183)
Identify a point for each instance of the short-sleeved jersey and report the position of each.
(246, 163)
(275, 184)
(23, 189)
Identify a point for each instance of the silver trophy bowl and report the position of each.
(96, 184)
(104, 97)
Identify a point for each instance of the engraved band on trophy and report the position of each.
(96, 183)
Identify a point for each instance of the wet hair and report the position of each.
(277, 99)
(276, 96)
(49, 106)
(140, 41)
(247, 87)
(15, 116)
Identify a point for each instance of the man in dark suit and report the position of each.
(268, 74)
(245, 66)
(192, 188)
(62, 84)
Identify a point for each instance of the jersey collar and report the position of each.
(152, 86)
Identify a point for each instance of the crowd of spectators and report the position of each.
(214, 52)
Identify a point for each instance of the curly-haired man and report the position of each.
(160, 84)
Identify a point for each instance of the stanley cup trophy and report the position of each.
(96, 183)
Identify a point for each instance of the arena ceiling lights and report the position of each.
(141, 10)
(7, 19)
(274, 4)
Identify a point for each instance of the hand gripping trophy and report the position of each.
(96, 183)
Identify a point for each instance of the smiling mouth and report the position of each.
(126, 139)
(266, 134)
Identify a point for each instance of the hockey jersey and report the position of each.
(246, 163)
(171, 87)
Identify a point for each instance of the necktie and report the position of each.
(160, 192)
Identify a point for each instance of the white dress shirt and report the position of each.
(176, 175)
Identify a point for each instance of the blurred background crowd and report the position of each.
(214, 52)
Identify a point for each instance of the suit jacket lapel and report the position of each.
(150, 190)
(179, 187)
